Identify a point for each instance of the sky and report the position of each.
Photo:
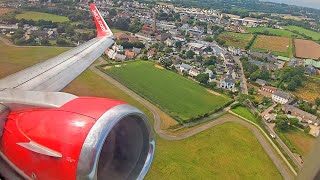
(305, 3)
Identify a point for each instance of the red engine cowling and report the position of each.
(86, 138)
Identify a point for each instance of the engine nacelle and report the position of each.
(85, 138)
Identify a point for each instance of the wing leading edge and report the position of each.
(56, 73)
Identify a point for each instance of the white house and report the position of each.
(185, 68)
(227, 82)
(281, 97)
(211, 75)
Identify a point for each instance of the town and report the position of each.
(266, 68)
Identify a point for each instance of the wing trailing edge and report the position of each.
(102, 27)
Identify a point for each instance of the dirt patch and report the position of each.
(213, 92)
(107, 67)
(307, 49)
(157, 66)
(4, 10)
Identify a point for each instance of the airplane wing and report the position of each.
(56, 73)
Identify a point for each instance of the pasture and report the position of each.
(227, 151)
(36, 16)
(14, 59)
(180, 97)
(281, 46)
(313, 34)
(236, 39)
(307, 49)
(310, 90)
(277, 32)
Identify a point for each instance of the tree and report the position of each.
(251, 91)
(203, 78)
(210, 61)
(190, 54)
(282, 123)
(168, 50)
(178, 44)
(212, 67)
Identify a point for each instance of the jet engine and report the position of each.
(53, 135)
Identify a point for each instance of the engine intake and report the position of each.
(81, 138)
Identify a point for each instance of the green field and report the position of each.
(181, 98)
(278, 32)
(14, 59)
(244, 112)
(41, 16)
(236, 39)
(313, 34)
(227, 151)
(280, 46)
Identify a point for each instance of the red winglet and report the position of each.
(102, 27)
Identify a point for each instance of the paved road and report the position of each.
(294, 157)
(264, 143)
(244, 80)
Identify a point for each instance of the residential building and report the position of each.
(281, 97)
(185, 67)
(194, 72)
(267, 91)
(120, 57)
(211, 75)
(261, 82)
(304, 116)
(130, 54)
(151, 53)
(310, 70)
(227, 82)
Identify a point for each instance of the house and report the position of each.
(281, 97)
(121, 37)
(185, 68)
(267, 91)
(130, 54)
(136, 50)
(227, 82)
(163, 36)
(120, 57)
(194, 72)
(304, 116)
(151, 53)
(169, 42)
(211, 75)
(261, 82)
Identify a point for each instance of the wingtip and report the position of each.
(102, 27)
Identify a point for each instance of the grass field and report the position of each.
(310, 90)
(179, 97)
(278, 32)
(315, 35)
(281, 46)
(298, 141)
(41, 16)
(236, 39)
(14, 59)
(227, 151)
(244, 112)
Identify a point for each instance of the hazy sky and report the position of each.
(306, 3)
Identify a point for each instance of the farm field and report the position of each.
(236, 39)
(181, 98)
(41, 16)
(281, 46)
(227, 151)
(278, 32)
(313, 34)
(14, 59)
(298, 141)
(310, 91)
(4, 10)
(307, 49)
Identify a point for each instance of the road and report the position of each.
(244, 86)
(294, 157)
(258, 133)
